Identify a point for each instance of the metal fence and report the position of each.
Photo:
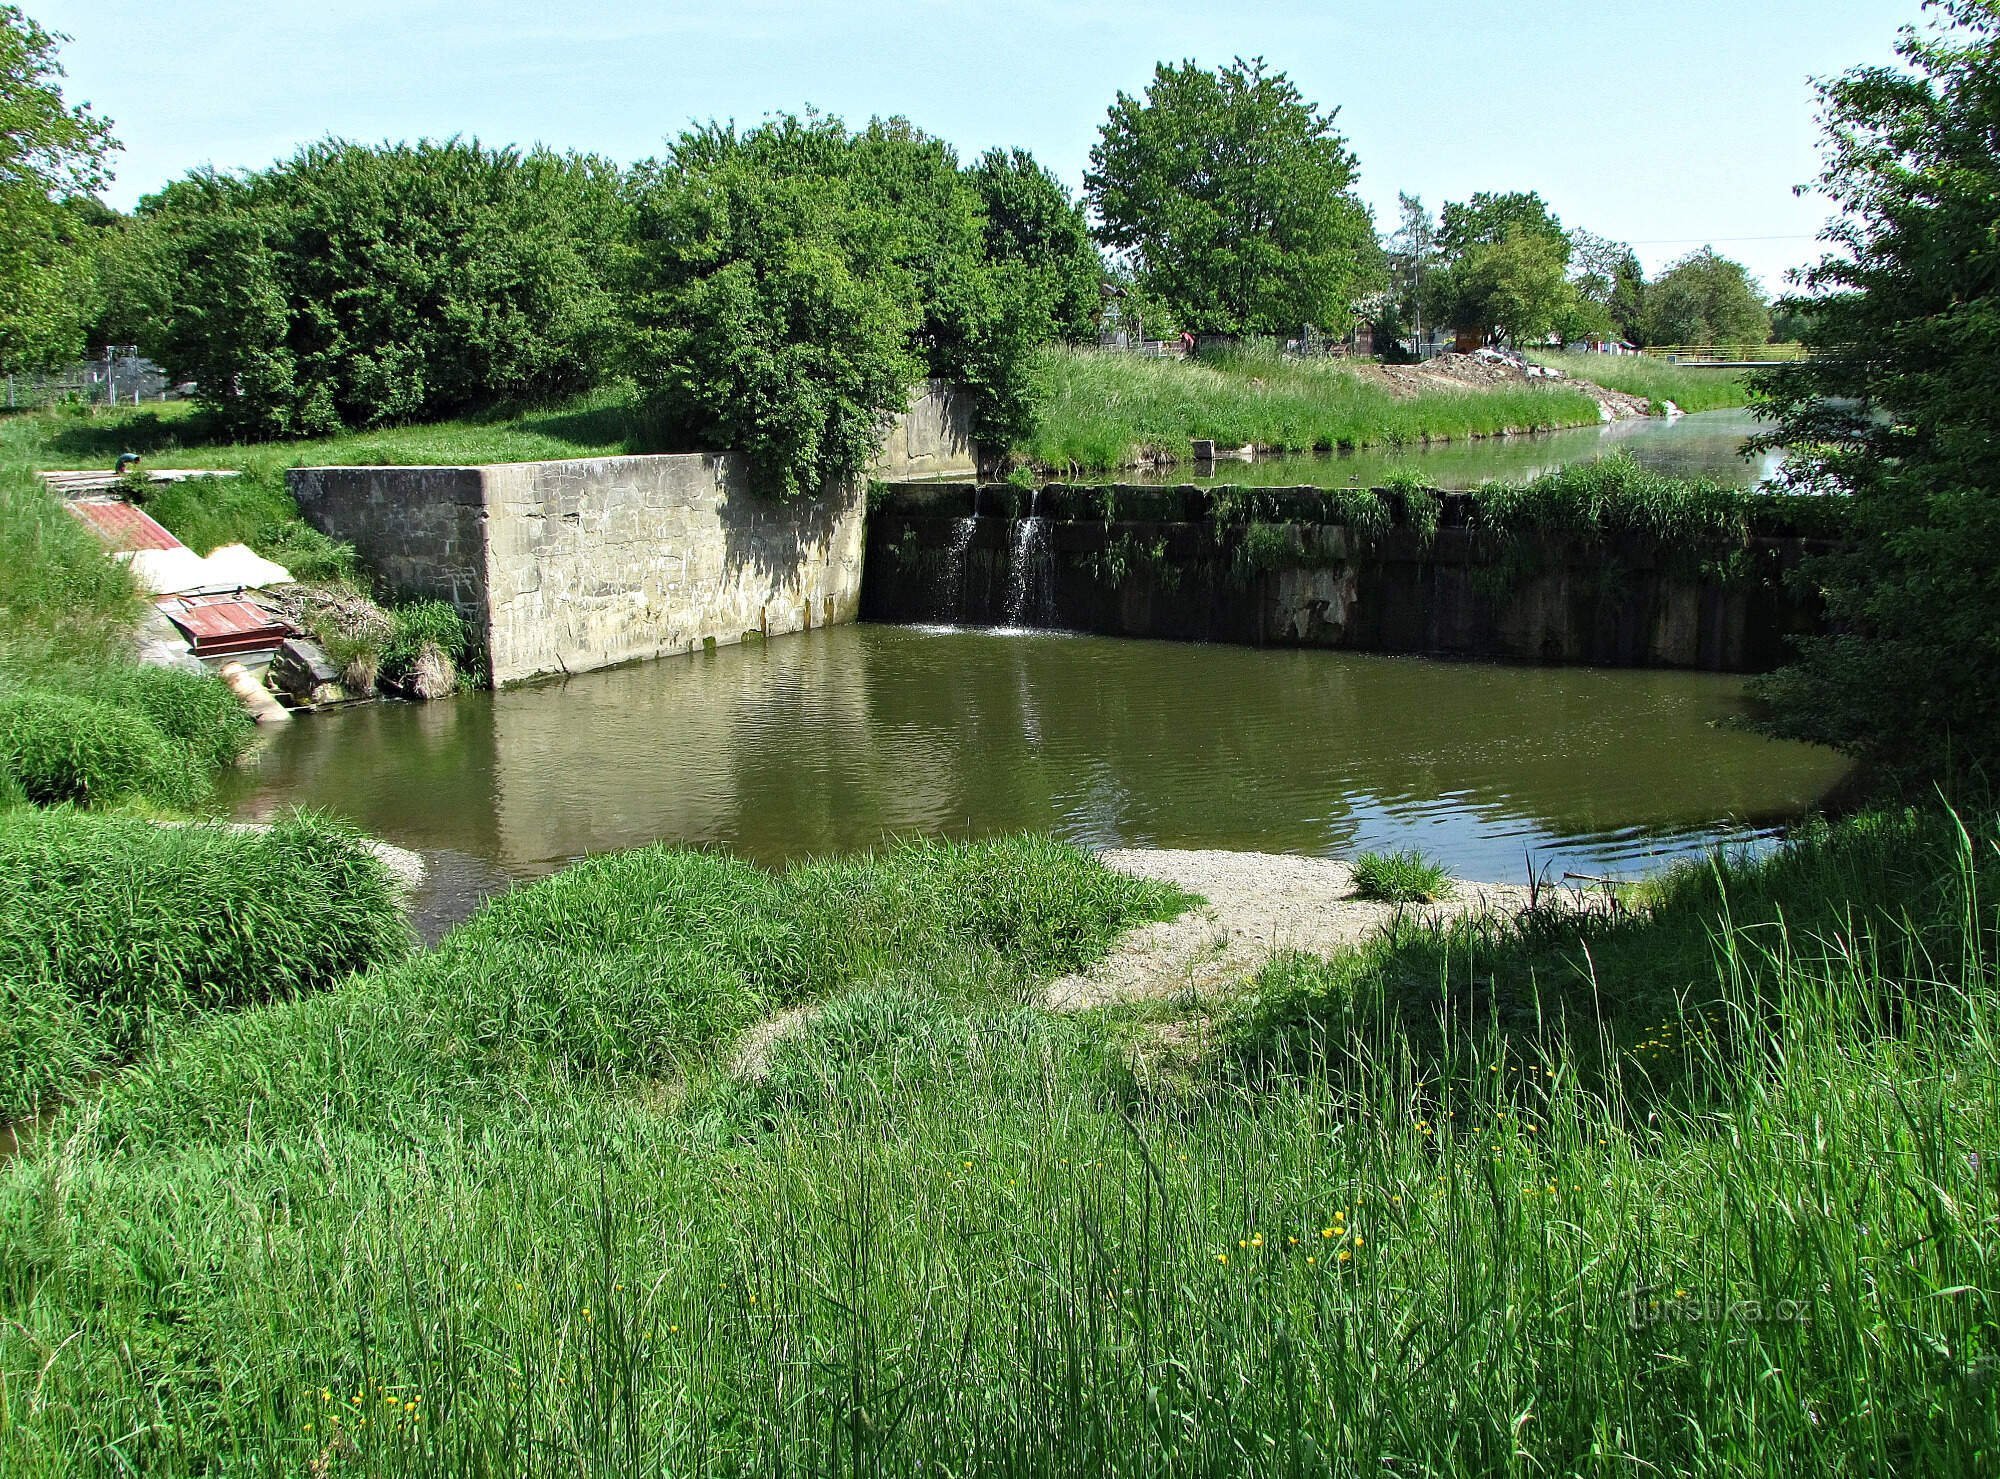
(117, 377)
(1726, 354)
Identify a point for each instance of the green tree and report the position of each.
(1502, 269)
(1706, 298)
(52, 156)
(1607, 274)
(1032, 222)
(1411, 254)
(791, 284)
(1521, 286)
(1234, 197)
(1896, 409)
(353, 286)
(772, 313)
(1488, 219)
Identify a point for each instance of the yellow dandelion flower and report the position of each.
(1345, 1255)
(1222, 1258)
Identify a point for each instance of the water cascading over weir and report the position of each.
(1286, 566)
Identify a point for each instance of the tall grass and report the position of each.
(1103, 410)
(113, 932)
(950, 1233)
(1656, 380)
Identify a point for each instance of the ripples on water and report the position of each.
(834, 740)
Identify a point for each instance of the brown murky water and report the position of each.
(835, 740)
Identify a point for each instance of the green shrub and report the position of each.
(1406, 877)
(640, 965)
(356, 286)
(417, 625)
(64, 749)
(116, 930)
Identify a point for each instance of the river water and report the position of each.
(1708, 444)
(837, 739)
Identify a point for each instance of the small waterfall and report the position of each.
(951, 573)
(1031, 572)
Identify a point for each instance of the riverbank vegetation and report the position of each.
(1102, 411)
(1892, 413)
(116, 931)
(1656, 380)
(525, 1192)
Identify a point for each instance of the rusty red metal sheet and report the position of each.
(222, 627)
(122, 526)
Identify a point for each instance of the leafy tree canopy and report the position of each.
(1897, 410)
(353, 286)
(1032, 220)
(791, 284)
(52, 156)
(1234, 197)
(1706, 298)
(1503, 271)
(1488, 219)
(1607, 273)
(773, 309)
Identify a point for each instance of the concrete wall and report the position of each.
(1163, 562)
(567, 566)
(932, 439)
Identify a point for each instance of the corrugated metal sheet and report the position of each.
(218, 628)
(123, 526)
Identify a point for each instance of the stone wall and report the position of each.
(566, 566)
(932, 439)
(1178, 563)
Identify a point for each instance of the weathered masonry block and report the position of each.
(565, 566)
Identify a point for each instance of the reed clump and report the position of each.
(1402, 877)
(115, 932)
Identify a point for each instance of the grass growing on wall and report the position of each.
(429, 1223)
(1656, 380)
(1101, 409)
(256, 508)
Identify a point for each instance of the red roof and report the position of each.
(217, 628)
(123, 526)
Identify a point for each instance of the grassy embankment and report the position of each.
(115, 930)
(1703, 1186)
(1691, 390)
(1109, 410)
(255, 508)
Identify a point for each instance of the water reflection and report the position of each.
(1708, 444)
(834, 740)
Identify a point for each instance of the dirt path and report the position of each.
(1259, 904)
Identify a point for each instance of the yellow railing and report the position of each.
(1726, 354)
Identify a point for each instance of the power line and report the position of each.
(1677, 240)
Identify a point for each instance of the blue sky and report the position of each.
(1667, 124)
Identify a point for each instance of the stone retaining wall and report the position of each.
(565, 566)
(1179, 563)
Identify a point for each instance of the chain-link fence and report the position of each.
(116, 377)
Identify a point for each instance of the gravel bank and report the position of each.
(1259, 905)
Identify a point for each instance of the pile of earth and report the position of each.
(1491, 369)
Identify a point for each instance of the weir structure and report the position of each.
(1288, 567)
(561, 567)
